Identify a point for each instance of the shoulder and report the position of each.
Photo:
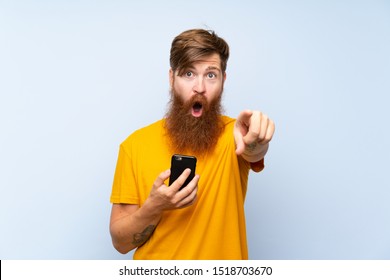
(155, 127)
(227, 122)
(147, 132)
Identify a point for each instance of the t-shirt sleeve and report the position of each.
(257, 166)
(124, 186)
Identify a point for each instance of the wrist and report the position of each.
(151, 210)
(254, 152)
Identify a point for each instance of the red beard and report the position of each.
(189, 134)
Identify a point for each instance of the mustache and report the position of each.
(198, 99)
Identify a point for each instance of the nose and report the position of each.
(199, 86)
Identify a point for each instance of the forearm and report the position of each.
(129, 231)
(255, 152)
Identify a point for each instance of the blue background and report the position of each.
(77, 77)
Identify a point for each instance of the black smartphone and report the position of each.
(178, 164)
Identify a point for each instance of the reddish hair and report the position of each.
(193, 45)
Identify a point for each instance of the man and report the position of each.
(205, 219)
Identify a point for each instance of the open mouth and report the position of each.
(197, 109)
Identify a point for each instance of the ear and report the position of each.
(171, 77)
(224, 76)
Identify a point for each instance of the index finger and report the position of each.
(253, 129)
(244, 117)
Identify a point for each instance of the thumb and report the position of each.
(240, 144)
(162, 177)
(241, 129)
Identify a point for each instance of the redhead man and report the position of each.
(204, 220)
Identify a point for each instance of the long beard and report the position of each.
(189, 134)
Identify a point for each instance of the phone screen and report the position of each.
(178, 164)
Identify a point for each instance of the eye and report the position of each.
(211, 75)
(189, 74)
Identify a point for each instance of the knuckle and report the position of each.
(175, 200)
(190, 191)
(272, 124)
(252, 134)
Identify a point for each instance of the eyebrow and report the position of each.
(192, 68)
(213, 68)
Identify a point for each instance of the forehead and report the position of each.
(211, 61)
(204, 63)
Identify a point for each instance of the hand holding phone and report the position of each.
(179, 163)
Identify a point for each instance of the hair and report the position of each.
(195, 44)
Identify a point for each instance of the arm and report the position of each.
(253, 131)
(131, 225)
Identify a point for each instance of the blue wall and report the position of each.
(77, 77)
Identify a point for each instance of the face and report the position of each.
(203, 78)
(193, 120)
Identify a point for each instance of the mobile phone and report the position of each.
(178, 164)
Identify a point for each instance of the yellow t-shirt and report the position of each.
(214, 226)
